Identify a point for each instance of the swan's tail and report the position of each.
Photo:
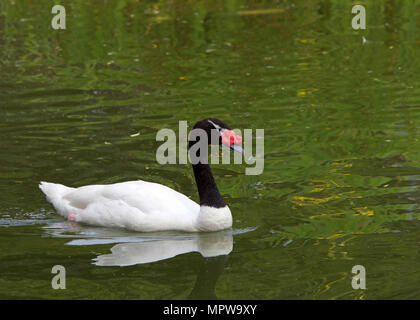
(55, 193)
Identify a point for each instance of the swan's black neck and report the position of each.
(207, 189)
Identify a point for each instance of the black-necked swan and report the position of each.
(147, 206)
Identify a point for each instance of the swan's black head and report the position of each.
(205, 132)
(219, 133)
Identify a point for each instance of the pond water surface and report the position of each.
(340, 109)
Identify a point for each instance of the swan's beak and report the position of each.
(237, 148)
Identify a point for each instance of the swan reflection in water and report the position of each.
(126, 254)
(214, 247)
(131, 249)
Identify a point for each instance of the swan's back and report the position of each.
(136, 205)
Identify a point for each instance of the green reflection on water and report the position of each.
(340, 182)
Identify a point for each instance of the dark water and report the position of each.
(340, 109)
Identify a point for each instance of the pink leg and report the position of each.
(72, 217)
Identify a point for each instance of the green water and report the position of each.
(341, 116)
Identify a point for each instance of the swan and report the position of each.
(146, 206)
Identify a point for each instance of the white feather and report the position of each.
(135, 205)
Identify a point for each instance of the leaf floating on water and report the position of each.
(305, 92)
(307, 41)
(159, 19)
(135, 134)
(335, 235)
(364, 211)
(301, 200)
(259, 12)
(318, 189)
(325, 215)
(301, 93)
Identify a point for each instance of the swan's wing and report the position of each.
(145, 196)
(150, 197)
(136, 205)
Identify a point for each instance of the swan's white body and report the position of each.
(135, 205)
